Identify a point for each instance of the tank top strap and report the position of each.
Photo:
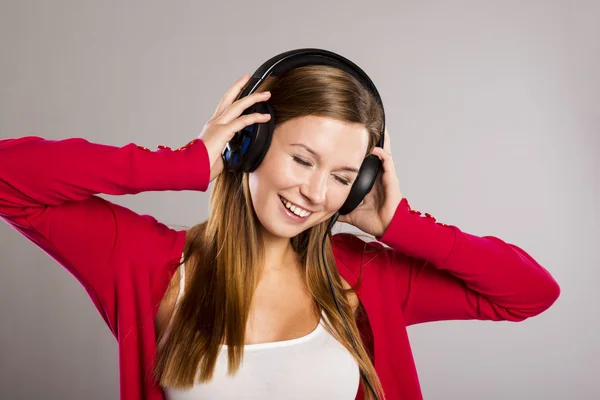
(181, 280)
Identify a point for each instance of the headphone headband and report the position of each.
(292, 59)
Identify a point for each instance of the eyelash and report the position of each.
(307, 164)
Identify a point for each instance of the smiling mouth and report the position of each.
(297, 211)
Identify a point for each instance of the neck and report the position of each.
(279, 255)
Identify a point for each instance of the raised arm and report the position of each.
(47, 193)
(37, 172)
(443, 273)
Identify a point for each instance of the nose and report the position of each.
(315, 189)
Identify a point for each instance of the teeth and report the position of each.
(296, 210)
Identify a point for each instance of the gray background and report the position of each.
(493, 110)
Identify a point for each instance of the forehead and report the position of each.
(331, 138)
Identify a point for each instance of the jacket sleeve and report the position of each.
(48, 193)
(445, 274)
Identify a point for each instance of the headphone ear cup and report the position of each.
(246, 148)
(367, 174)
(261, 138)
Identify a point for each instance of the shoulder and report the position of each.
(149, 241)
(353, 252)
(155, 251)
(346, 241)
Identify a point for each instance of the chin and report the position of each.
(280, 231)
(279, 228)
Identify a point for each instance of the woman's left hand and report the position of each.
(374, 214)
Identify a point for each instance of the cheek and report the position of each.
(282, 172)
(272, 176)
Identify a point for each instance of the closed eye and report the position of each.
(307, 164)
(301, 161)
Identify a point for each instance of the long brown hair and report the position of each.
(226, 252)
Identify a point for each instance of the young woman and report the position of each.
(239, 305)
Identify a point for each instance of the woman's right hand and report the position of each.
(227, 120)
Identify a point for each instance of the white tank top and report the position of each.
(312, 367)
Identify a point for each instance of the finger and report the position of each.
(231, 95)
(389, 180)
(237, 108)
(387, 146)
(386, 159)
(389, 170)
(247, 119)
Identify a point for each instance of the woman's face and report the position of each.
(317, 182)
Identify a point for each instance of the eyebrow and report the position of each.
(311, 151)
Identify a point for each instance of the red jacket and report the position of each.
(125, 260)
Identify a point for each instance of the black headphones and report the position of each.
(246, 150)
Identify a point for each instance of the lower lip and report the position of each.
(290, 214)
